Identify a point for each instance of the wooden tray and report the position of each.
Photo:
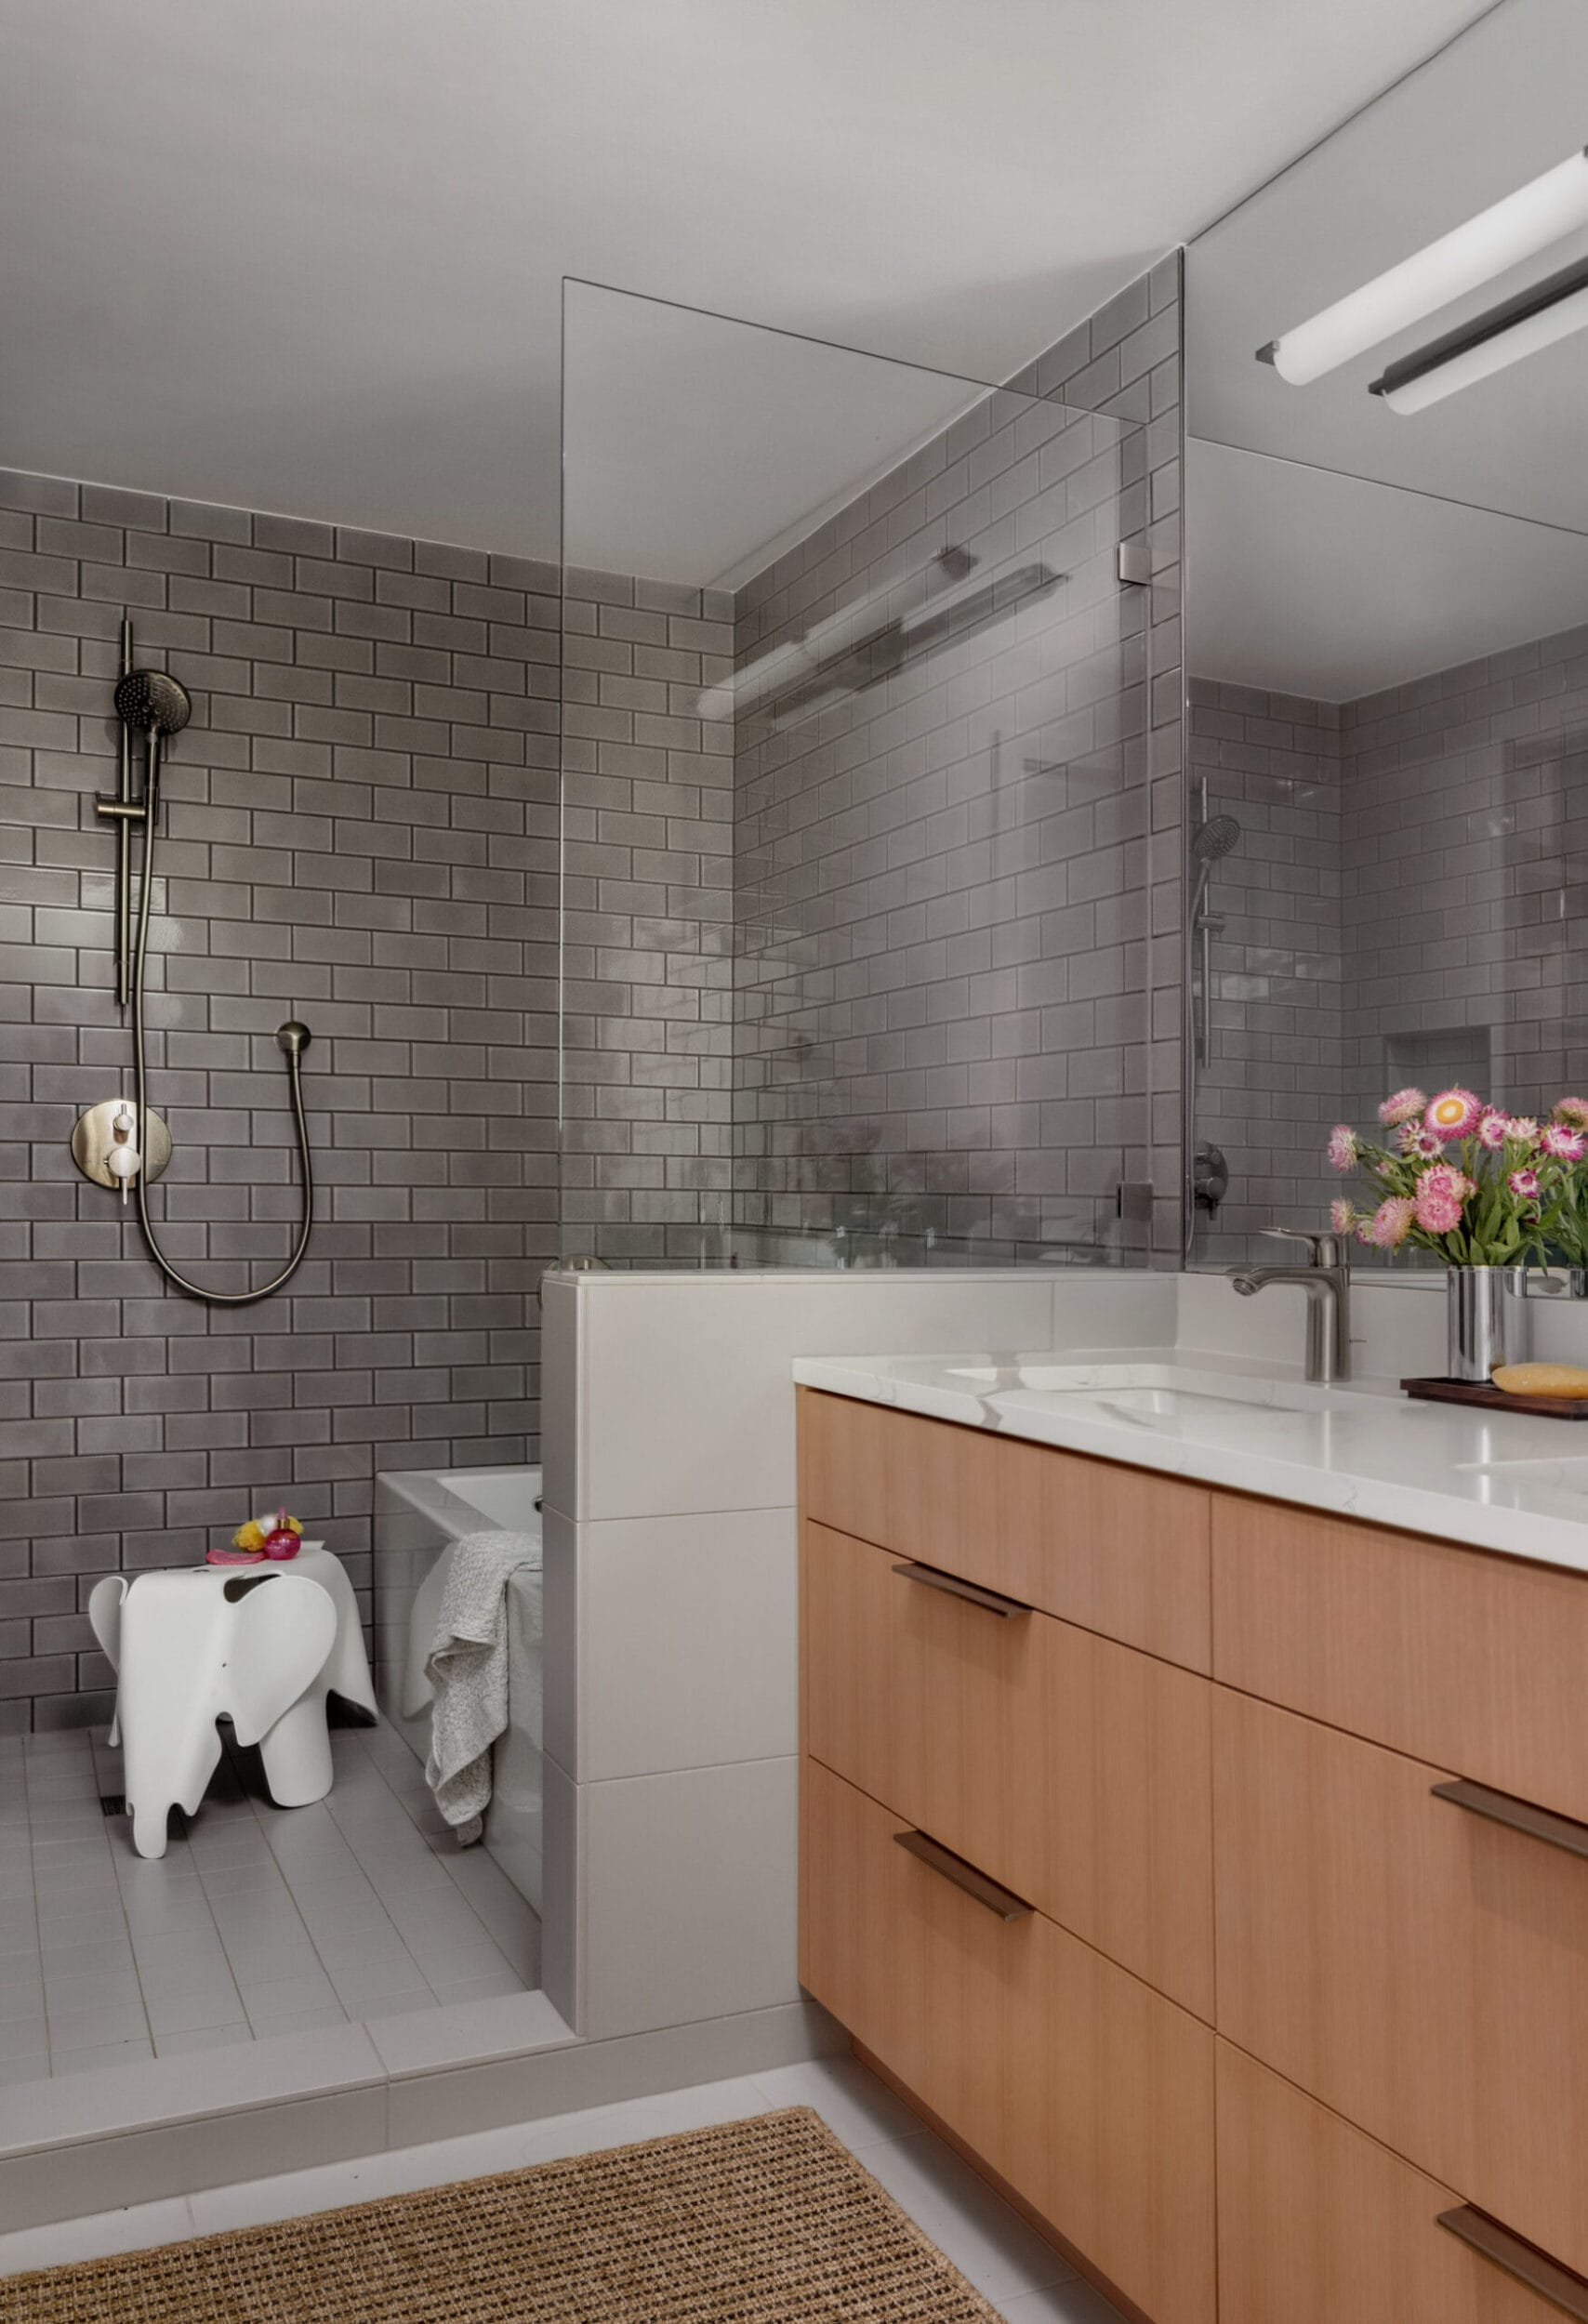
(1496, 1400)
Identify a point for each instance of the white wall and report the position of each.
(1398, 1328)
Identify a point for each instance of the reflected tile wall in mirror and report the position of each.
(1407, 905)
(1270, 1087)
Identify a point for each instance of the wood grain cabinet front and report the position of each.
(1451, 1655)
(1076, 1771)
(1419, 1965)
(1319, 2224)
(1112, 1549)
(1106, 1777)
(1089, 2094)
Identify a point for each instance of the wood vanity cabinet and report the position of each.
(1082, 2088)
(1118, 1550)
(1319, 2224)
(1214, 1872)
(1006, 1889)
(1451, 1655)
(1073, 1770)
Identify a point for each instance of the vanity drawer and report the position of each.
(1417, 1965)
(1089, 2094)
(1319, 2225)
(1464, 1659)
(1116, 1550)
(1075, 1771)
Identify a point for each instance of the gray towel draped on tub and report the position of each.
(467, 1669)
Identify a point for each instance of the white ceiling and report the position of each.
(1500, 107)
(305, 255)
(1302, 581)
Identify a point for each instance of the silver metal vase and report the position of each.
(1487, 1323)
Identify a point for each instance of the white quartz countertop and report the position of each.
(1504, 1481)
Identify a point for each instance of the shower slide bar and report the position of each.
(107, 1141)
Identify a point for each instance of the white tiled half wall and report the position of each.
(672, 1631)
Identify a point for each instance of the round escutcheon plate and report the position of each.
(93, 1141)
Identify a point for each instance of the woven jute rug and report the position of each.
(767, 2222)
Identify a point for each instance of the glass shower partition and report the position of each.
(854, 923)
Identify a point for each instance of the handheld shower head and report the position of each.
(1214, 840)
(153, 702)
(1211, 842)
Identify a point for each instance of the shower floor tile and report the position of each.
(257, 1921)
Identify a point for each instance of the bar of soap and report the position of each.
(1542, 1379)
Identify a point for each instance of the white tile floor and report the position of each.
(260, 1921)
(1022, 2276)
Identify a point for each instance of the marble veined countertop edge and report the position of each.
(1504, 1481)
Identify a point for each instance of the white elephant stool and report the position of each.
(262, 1645)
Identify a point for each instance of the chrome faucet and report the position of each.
(1326, 1279)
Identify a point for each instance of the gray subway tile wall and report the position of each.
(648, 902)
(1463, 835)
(1271, 1087)
(955, 892)
(1128, 362)
(360, 828)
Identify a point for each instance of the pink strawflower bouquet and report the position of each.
(1476, 1185)
(1569, 1231)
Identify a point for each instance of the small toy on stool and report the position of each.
(276, 1537)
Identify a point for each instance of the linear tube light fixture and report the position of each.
(1536, 318)
(1514, 228)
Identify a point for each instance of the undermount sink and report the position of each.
(1155, 1391)
(1168, 1403)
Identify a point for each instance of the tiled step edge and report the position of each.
(133, 2134)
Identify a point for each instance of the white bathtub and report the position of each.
(420, 1514)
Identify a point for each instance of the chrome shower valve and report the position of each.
(112, 1148)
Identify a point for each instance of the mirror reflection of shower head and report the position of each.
(1211, 842)
(153, 702)
(1214, 840)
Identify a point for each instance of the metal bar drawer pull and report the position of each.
(952, 1586)
(1524, 2261)
(1003, 1901)
(1559, 1831)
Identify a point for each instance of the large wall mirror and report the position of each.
(1387, 622)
